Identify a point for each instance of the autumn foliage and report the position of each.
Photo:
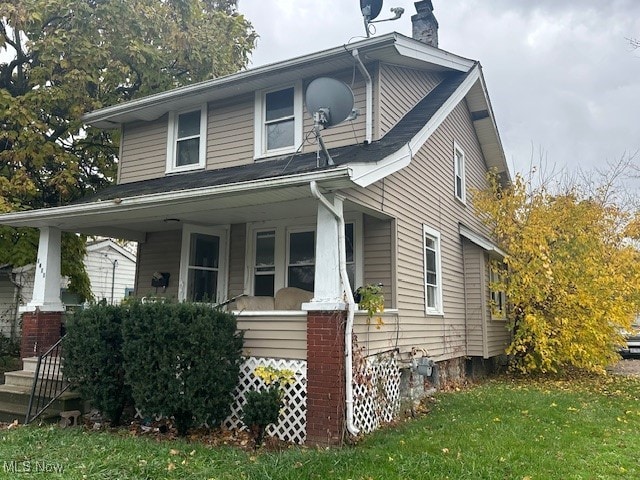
(573, 278)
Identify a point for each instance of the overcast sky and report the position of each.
(562, 78)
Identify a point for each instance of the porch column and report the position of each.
(326, 319)
(326, 411)
(328, 291)
(42, 316)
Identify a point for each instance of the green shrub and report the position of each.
(182, 360)
(93, 358)
(262, 407)
(261, 410)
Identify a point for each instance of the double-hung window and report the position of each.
(278, 123)
(286, 257)
(459, 173)
(186, 146)
(432, 272)
(264, 275)
(301, 259)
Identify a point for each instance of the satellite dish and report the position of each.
(331, 98)
(330, 102)
(370, 8)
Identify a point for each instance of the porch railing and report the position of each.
(48, 382)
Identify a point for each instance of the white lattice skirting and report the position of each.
(292, 424)
(376, 391)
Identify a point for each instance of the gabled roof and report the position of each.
(124, 210)
(108, 244)
(392, 48)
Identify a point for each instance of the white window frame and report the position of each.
(172, 139)
(434, 235)
(497, 297)
(223, 273)
(260, 140)
(459, 171)
(282, 229)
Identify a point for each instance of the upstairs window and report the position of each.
(432, 272)
(459, 172)
(278, 121)
(186, 149)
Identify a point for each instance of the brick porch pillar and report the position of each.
(40, 330)
(325, 377)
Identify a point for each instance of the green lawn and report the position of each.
(503, 429)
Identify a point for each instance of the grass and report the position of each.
(586, 428)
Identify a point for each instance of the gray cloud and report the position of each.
(562, 78)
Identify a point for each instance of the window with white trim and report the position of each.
(186, 145)
(284, 256)
(459, 173)
(278, 123)
(432, 272)
(202, 266)
(301, 259)
(496, 291)
(264, 270)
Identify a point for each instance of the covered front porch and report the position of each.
(251, 241)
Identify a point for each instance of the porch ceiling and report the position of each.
(132, 217)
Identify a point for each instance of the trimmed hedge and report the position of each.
(178, 360)
(93, 359)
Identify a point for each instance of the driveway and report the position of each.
(629, 366)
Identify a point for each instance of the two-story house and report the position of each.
(222, 185)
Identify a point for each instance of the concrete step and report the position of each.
(15, 400)
(29, 364)
(22, 378)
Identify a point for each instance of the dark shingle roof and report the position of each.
(398, 136)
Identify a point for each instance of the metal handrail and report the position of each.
(45, 389)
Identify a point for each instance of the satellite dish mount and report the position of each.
(370, 11)
(329, 102)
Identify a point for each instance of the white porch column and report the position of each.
(46, 285)
(328, 291)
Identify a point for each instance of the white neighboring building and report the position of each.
(111, 269)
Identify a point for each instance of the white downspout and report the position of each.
(351, 306)
(369, 96)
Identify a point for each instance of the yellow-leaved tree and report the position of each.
(573, 280)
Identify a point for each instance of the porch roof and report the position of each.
(131, 217)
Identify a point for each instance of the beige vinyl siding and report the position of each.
(230, 133)
(346, 133)
(378, 255)
(399, 91)
(475, 288)
(237, 244)
(423, 193)
(374, 335)
(275, 337)
(160, 253)
(497, 335)
(144, 150)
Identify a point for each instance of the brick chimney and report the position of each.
(425, 25)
